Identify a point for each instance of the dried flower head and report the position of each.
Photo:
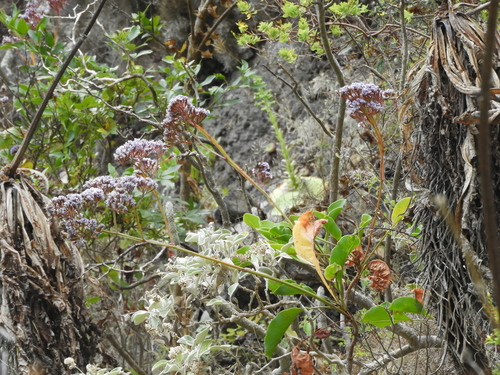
(380, 275)
(364, 100)
(179, 113)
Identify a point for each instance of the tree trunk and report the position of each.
(441, 158)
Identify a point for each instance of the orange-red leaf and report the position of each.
(304, 232)
(419, 295)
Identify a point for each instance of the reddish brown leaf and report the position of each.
(302, 361)
(380, 274)
(212, 10)
(419, 294)
(355, 257)
(321, 333)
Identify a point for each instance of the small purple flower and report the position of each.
(138, 149)
(119, 201)
(93, 195)
(105, 183)
(14, 149)
(364, 100)
(66, 206)
(8, 39)
(147, 166)
(262, 172)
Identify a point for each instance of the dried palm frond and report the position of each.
(441, 154)
(43, 317)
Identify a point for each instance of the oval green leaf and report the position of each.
(251, 220)
(378, 316)
(399, 210)
(277, 329)
(407, 305)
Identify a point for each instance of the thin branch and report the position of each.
(484, 149)
(216, 24)
(144, 280)
(298, 96)
(334, 64)
(125, 355)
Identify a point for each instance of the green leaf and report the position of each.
(49, 39)
(365, 221)
(335, 208)
(399, 316)
(159, 364)
(22, 26)
(399, 210)
(133, 33)
(378, 316)
(277, 329)
(251, 220)
(330, 226)
(332, 270)
(285, 290)
(407, 305)
(344, 247)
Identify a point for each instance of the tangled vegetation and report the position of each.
(133, 263)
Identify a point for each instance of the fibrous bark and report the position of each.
(43, 317)
(442, 160)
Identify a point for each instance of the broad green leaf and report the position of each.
(399, 210)
(399, 316)
(407, 305)
(277, 329)
(22, 26)
(344, 247)
(378, 316)
(285, 290)
(133, 33)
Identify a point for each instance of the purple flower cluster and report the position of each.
(34, 11)
(140, 153)
(262, 172)
(364, 100)
(68, 208)
(179, 113)
(115, 193)
(118, 190)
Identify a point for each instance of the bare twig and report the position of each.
(334, 64)
(484, 149)
(304, 102)
(216, 24)
(125, 355)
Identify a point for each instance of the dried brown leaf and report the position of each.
(380, 274)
